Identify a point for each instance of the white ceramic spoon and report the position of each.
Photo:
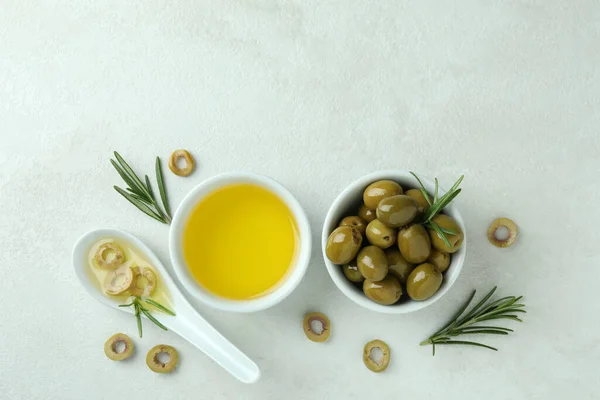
(187, 323)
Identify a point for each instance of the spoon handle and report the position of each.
(196, 330)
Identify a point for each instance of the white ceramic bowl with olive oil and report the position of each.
(240, 242)
(347, 203)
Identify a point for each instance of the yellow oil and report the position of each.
(160, 294)
(240, 241)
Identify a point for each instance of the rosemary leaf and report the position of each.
(513, 317)
(143, 200)
(141, 206)
(149, 186)
(139, 318)
(493, 305)
(506, 310)
(517, 299)
(480, 304)
(457, 314)
(446, 230)
(457, 183)
(139, 309)
(161, 187)
(502, 311)
(422, 189)
(440, 205)
(133, 187)
(452, 190)
(471, 344)
(151, 318)
(480, 331)
(153, 199)
(131, 174)
(487, 327)
(448, 197)
(440, 233)
(158, 305)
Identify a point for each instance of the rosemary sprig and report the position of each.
(140, 193)
(139, 309)
(437, 205)
(504, 308)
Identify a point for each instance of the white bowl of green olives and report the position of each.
(393, 242)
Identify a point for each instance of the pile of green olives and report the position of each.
(386, 250)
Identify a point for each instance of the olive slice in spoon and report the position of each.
(119, 280)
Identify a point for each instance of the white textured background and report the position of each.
(314, 94)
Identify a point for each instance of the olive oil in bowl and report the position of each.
(240, 241)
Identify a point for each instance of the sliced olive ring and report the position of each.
(103, 256)
(188, 160)
(144, 281)
(110, 347)
(156, 365)
(512, 232)
(312, 335)
(382, 364)
(119, 280)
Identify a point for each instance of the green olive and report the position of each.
(385, 292)
(397, 265)
(376, 366)
(510, 226)
(372, 263)
(355, 222)
(440, 259)
(449, 223)
(144, 281)
(367, 214)
(423, 282)
(352, 273)
(155, 364)
(120, 280)
(109, 256)
(397, 211)
(111, 347)
(181, 163)
(380, 235)
(316, 336)
(414, 244)
(343, 244)
(422, 203)
(378, 191)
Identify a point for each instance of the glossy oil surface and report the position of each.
(240, 241)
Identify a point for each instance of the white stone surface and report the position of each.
(314, 94)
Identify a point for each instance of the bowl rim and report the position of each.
(290, 281)
(341, 204)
